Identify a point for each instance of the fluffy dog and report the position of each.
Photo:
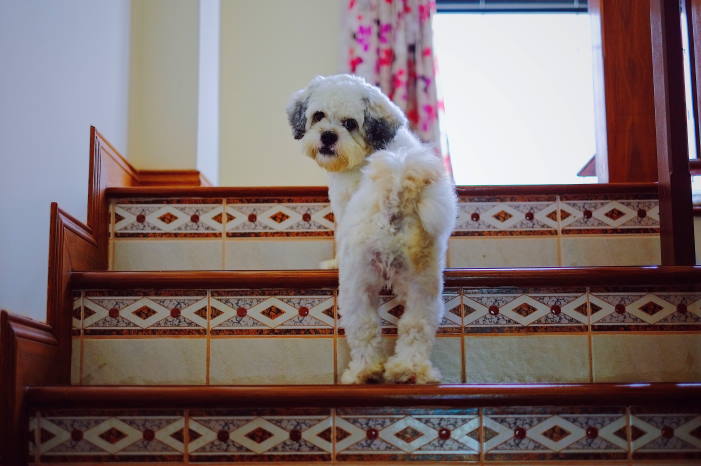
(394, 207)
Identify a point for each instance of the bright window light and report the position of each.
(518, 95)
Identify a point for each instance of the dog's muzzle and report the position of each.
(328, 139)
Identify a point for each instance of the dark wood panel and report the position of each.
(655, 394)
(545, 276)
(322, 191)
(623, 86)
(676, 219)
(29, 355)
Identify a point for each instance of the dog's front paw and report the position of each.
(358, 374)
(399, 371)
(329, 264)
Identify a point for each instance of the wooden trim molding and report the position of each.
(172, 178)
(623, 91)
(676, 219)
(322, 191)
(524, 277)
(457, 396)
(29, 355)
(695, 167)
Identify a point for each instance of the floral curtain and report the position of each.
(391, 45)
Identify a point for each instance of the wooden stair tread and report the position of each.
(513, 277)
(463, 395)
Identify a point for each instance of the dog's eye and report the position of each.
(318, 116)
(350, 124)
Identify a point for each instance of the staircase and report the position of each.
(189, 324)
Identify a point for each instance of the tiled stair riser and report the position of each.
(486, 435)
(493, 335)
(294, 233)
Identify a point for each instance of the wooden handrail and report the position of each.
(521, 277)
(639, 394)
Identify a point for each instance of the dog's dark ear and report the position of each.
(382, 121)
(296, 114)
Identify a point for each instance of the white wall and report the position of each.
(208, 91)
(163, 92)
(63, 66)
(270, 48)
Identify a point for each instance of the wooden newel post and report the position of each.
(676, 221)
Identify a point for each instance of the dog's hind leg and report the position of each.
(411, 362)
(358, 304)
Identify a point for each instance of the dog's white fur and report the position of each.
(394, 207)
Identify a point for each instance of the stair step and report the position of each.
(163, 228)
(485, 424)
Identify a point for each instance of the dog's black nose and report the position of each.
(329, 138)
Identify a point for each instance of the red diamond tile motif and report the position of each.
(340, 434)
(525, 310)
(87, 312)
(621, 433)
(556, 433)
(553, 215)
(117, 218)
(583, 309)
(223, 217)
(45, 435)
(397, 311)
(614, 214)
(564, 214)
(259, 435)
(408, 434)
(468, 310)
(215, 313)
(329, 217)
(272, 312)
(651, 308)
(167, 218)
(328, 312)
(696, 433)
(203, 312)
(76, 313)
(502, 216)
(489, 434)
(279, 217)
(144, 312)
(112, 435)
(635, 433)
(456, 311)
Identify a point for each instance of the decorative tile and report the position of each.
(666, 436)
(277, 253)
(392, 308)
(633, 214)
(144, 361)
(235, 437)
(77, 320)
(621, 310)
(529, 358)
(168, 218)
(272, 361)
(142, 312)
(266, 218)
(272, 312)
(507, 216)
(533, 434)
(407, 434)
(499, 310)
(85, 438)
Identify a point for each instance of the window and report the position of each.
(518, 90)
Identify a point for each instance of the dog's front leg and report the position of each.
(411, 362)
(358, 303)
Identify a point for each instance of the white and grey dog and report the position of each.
(394, 207)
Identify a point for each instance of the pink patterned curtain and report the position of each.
(391, 45)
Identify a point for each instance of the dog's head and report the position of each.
(342, 119)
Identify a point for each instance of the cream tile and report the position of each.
(647, 358)
(525, 359)
(144, 361)
(274, 360)
(447, 356)
(75, 360)
(270, 254)
(499, 251)
(610, 250)
(167, 254)
(697, 238)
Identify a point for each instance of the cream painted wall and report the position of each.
(270, 48)
(64, 67)
(163, 95)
